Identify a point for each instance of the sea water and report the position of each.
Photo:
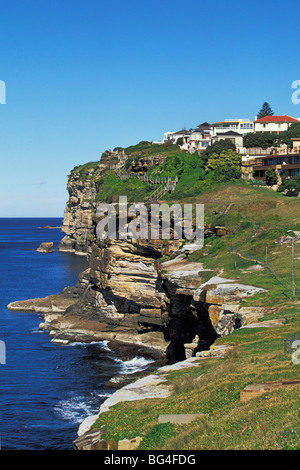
(46, 389)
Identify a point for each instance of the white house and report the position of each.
(274, 124)
(241, 126)
(199, 138)
(174, 136)
(235, 137)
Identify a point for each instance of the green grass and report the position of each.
(158, 436)
(146, 149)
(257, 219)
(267, 422)
(111, 187)
(82, 170)
(270, 421)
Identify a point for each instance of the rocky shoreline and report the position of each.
(142, 296)
(177, 316)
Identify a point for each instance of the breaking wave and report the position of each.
(136, 364)
(75, 409)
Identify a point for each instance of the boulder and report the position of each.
(45, 247)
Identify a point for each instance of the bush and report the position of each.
(128, 162)
(218, 148)
(256, 182)
(225, 174)
(271, 177)
(292, 184)
(264, 140)
(226, 159)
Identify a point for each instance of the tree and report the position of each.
(271, 177)
(263, 140)
(292, 132)
(266, 110)
(218, 147)
(293, 183)
(228, 158)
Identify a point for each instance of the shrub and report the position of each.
(225, 174)
(227, 159)
(257, 182)
(271, 177)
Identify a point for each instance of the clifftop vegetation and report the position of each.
(196, 174)
(267, 139)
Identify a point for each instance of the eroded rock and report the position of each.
(45, 247)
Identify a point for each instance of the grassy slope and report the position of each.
(256, 218)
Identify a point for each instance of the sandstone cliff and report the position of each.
(129, 294)
(78, 215)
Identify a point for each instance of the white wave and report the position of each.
(102, 344)
(74, 409)
(136, 364)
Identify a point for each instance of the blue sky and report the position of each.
(85, 76)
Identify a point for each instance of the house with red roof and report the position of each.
(274, 124)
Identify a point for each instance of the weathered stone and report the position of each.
(66, 245)
(129, 444)
(180, 418)
(214, 351)
(228, 291)
(214, 314)
(55, 304)
(45, 247)
(91, 440)
(257, 389)
(266, 324)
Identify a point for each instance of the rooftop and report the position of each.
(283, 118)
(233, 121)
(230, 133)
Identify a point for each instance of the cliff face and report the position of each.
(78, 214)
(127, 294)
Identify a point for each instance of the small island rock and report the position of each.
(46, 247)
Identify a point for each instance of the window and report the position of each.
(246, 126)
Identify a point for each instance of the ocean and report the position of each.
(46, 389)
